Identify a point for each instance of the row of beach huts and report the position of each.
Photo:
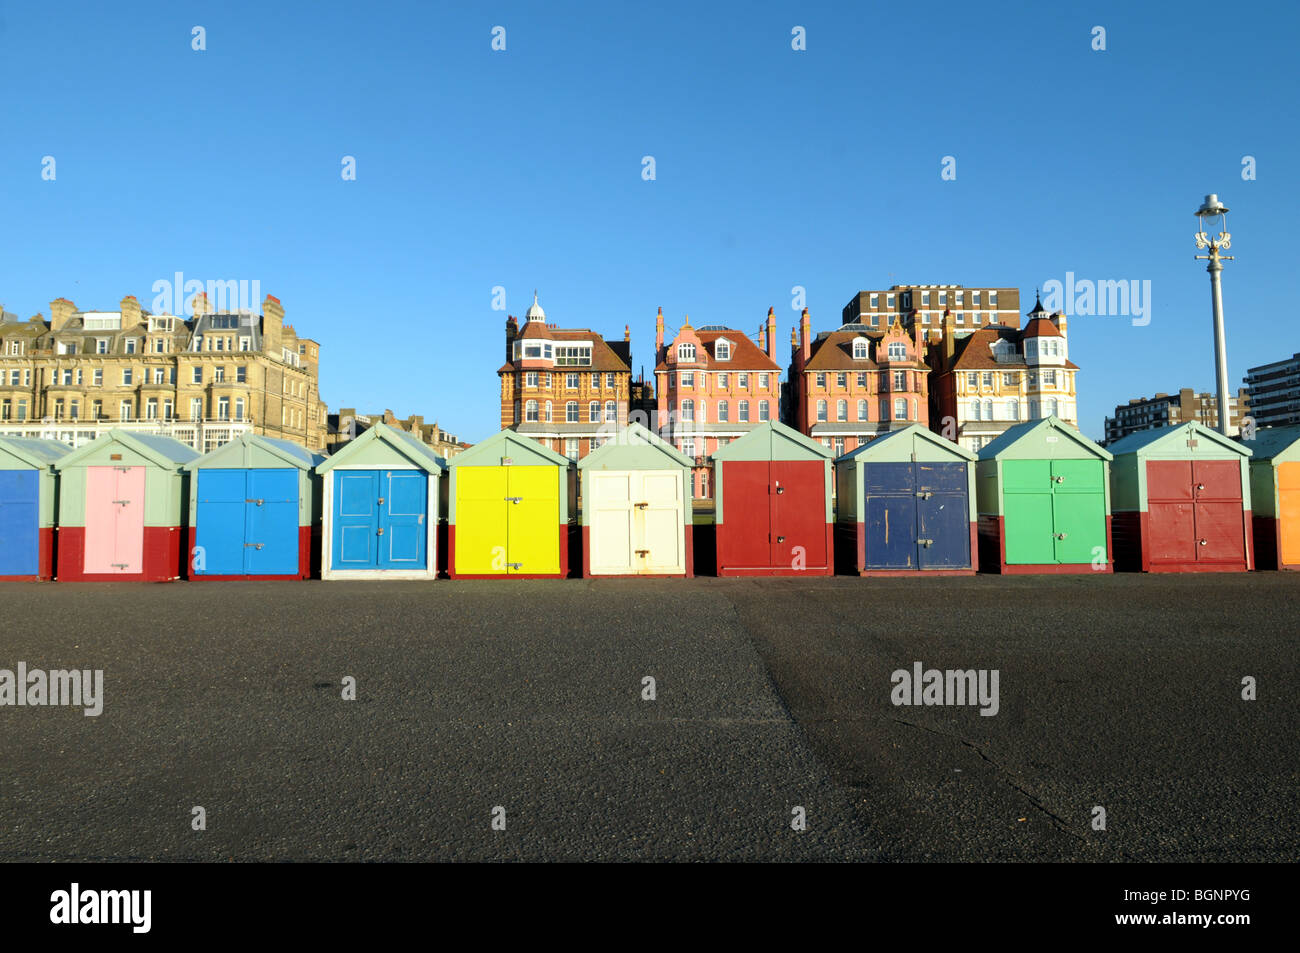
(1041, 498)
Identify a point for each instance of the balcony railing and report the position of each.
(201, 435)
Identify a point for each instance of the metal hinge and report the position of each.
(640, 506)
(924, 494)
(255, 545)
(122, 502)
(514, 499)
(926, 542)
(643, 552)
(514, 565)
(120, 565)
(251, 500)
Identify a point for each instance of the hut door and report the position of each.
(481, 515)
(891, 516)
(797, 495)
(19, 508)
(403, 512)
(221, 522)
(1078, 510)
(533, 520)
(611, 534)
(1027, 512)
(942, 516)
(660, 527)
(1288, 512)
(1220, 527)
(271, 520)
(356, 519)
(114, 520)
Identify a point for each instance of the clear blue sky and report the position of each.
(775, 168)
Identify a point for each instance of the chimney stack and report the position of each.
(512, 332)
(659, 336)
(61, 312)
(805, 337)
(131, 317)
(1059, 320)
(771, 333)
(627, 333)
(272, 325)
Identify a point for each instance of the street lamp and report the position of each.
(1213, 216)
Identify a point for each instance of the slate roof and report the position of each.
(1270, 441)
(745, 354)
(973, 351)
(833, 351)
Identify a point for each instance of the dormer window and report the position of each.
(897, 351)
(686, 352)
(861, 350)
(722, 350)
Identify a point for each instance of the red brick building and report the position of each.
(852, 384)
(714, 384)
(566, 388)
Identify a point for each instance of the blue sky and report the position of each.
(775, 168)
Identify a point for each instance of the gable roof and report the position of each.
(604, 356)
(745, 354)
(772, 432)
(34, 450)
(489, 452)
(399, 440)
(634, 435)
(911, 431)
(1143, 439)
(291, 453)
(157, 449)
(1270, 442)
(1013, 434)
(833, 351)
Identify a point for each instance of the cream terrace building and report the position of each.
(202, 380)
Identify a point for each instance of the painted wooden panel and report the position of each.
(743, 539)
(663, 523)
(1028, 518)
(271, 520)
(798, 495)
(1288, 499)
(355, 519)
(612, 534)
(891, 530)
(115, 507)
(19, 519)
(943, 516)
(481, 520)
(220, 522)
(532, 520)
(402, 519)
(1078, 510)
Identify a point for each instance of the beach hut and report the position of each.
(511, 502)
(121, 508)
(1181, 498)
(905, 504)
(1042, 492)
(252, 510)
(380, 505)
(636, 509)
(1275, 496)
(27, 504)
(773, 504)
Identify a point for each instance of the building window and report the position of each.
(988, 410)
(159, 374)
(127, 377)
(839, 446)
(611, 380)
(611, 412)
(862, 379)
(196, 408)
(900, 380)
(842, 411)
(975, 410)
(862, 410)
(686, 352)
(742, 380)
(688, 378)
(593, 412)
(130, 345)
(101, 345)
(821, 380)
(1013, 409)
(151, 409)
(530, 379)
(841, 380)
(595, 380)
(1049, 378)
(688, 411)
(219, 376)
(742, 412)
(530, 412)
(198, 375)
(723, 378)
(821, 411)
(241, 375)
(571, 447)
(764, 413)
(688, 446)
(571, 381)
(223, 408)
(860, 350)
(722, 350)
(900, 408)
(548, 412)
(973, 380)
(1008, 379)
(897, 351)
(571, 412)
(724, 412)
(124, 410)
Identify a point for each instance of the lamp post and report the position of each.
(1213, 216)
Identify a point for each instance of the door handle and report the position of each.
(780, 539)
(1203, 542)
(381, 531)
(780, 489)
(643, 552)
(1059, 479)
(923, 494)
(1200, 486)
(640, 506)
(926, 542)
(381, 501)
(514, 499)
(1060, 535)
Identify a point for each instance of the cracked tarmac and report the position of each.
(1118, 692)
